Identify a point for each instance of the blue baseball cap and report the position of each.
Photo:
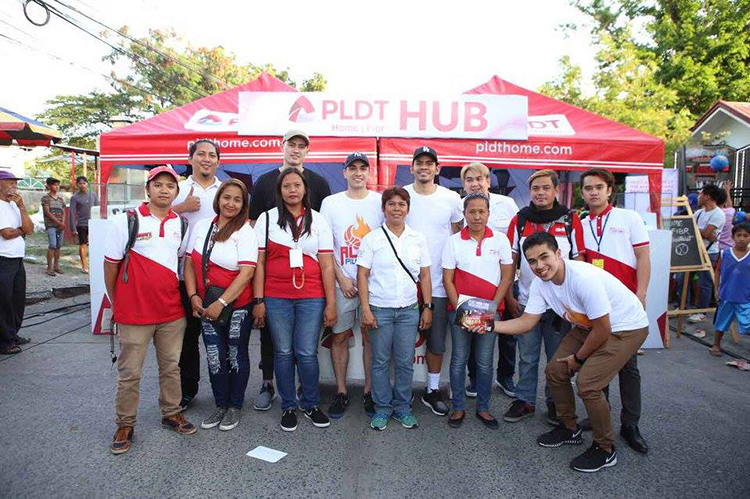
(356, 156)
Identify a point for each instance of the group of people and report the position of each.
(202, 257)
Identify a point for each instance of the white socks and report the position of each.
(433, 381)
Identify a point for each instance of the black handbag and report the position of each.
(213, 293)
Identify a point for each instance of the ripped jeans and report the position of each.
(228, 359)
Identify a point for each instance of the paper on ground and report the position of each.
(266, 454)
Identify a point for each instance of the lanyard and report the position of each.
(599, 241)
(296, 236)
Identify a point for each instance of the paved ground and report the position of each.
(56, 406)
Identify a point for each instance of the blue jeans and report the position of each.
(394, 338)
(54, 238)
(228, 358)
(484, 349)
(705, 284)
(529, 351)
(295, 330)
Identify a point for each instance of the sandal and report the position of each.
(59, 271)
(716, 352)
(11, 350)
(20, 340)
(51, 273)
(84, 271)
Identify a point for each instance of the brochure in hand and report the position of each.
(473, 311)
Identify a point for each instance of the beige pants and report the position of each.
(134, 341)
(593, 377)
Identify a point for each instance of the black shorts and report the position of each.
(83, 235)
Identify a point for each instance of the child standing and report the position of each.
(734, 287)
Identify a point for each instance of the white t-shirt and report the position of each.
(432, 216)
(389, 285)
(502, 211)
(588, 293)
(714, 217)
(10, 218)
(207, 203)
(350, 221)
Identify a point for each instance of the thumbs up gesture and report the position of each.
(192, 202)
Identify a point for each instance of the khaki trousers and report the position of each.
(134, 341)
(595, 374)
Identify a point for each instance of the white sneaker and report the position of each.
(696, 318)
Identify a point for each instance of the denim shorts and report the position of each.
(54, 237)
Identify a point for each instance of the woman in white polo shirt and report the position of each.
(477, 262)
(295, 291)
(223, 254)
(391, 261)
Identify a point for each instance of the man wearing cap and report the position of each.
(195, 202)
(437, 213)
(144, 289)
(351, 214)
(295, 146)
(15, 224)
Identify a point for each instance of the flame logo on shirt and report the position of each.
(577, 319)
(352, 238)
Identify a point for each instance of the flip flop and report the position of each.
(51, 273)
(59, 271)
(715, 353)
(84, 271)
(11, 350)
(20, 340)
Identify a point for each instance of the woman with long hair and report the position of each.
(295, 291)
(223, 254)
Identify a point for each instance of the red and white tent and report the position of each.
(561, 136)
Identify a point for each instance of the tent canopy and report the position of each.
(561, 137)
(25, 131)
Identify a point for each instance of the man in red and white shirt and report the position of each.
(143, 287)
(544, 214)
(617, 241)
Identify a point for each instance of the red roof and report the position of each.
(740, 110)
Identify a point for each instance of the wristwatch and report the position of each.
(579, 361)
(222, 301)
(258, 301)
(429, 306)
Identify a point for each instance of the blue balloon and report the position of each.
(739, 217)
(719, 163)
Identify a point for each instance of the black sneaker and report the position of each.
(319, 420)
(594, 459)
(289, 420)
(434, 400)
(561, 435)
(518, 410)
(552, 414)
(185, 402)
(338, 407)
(369, 404)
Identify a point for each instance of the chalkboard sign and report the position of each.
(685, 252)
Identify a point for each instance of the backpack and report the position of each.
(567, 221)
(133, 234)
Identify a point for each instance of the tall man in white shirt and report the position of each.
(15, 225)
(617, 241)
(195, 202)
(352, 215)
(437, 213)
(475, 178)
(610, 325)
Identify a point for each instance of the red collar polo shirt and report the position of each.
(283, 281)
(611, 238)
(477, 264)
(152, 293)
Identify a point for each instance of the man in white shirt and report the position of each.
(610, 325)
(195, 202)
(475, 177)
(710, 219)
(352, 215)
(15, 225)
(617, 241)
(437, 213)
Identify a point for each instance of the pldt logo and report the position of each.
(302, 111)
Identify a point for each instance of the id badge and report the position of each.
(295, 258)
(598, 262)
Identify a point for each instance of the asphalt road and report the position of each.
(56, 414)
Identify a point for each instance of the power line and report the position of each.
(189, 67)
(135, 58)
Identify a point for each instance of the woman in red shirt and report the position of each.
(226, 249)
(295, 291)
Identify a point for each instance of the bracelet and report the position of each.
(579, 361)
(258, 301)
(195, 294)
(222, 301)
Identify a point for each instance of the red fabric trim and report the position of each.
(471, 285)
(151, 295)
(639, 245)
(112, 260)
(624, 273)
(279, 275)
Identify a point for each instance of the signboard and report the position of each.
(685, 251)
(637, 192)
(322, 114)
